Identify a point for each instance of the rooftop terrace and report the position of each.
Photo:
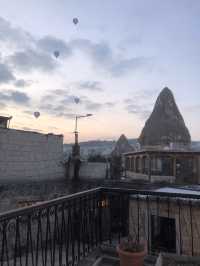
(82, 228)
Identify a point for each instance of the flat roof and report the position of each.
(5, 118)
(33, 132)
(164, 152)
(177, 191)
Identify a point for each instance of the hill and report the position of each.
(103, 147)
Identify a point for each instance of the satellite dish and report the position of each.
(36, 114)
(75, 21)
(56, 54)
(77, 100)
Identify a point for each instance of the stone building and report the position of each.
(164, 165)
(30, 156)
(168, 225)
(5, 121)
(165, 147)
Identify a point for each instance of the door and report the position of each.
(163, 234)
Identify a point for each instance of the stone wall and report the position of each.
(30, 156)
(93, 170)
(90, 170)
(167, 259)
(186, 215)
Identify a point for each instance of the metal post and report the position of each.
(149, 168)
(76, 121)
(174, 167)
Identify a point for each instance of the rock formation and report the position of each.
(165, 124)
(122, 145)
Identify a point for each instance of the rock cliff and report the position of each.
(165, 124)
(122, 146)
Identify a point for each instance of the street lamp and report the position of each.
(76, 148)
(76, 120)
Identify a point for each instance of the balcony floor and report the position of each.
(107, 256)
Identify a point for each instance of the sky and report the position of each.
(116, 60)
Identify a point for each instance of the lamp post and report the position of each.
(76, 148)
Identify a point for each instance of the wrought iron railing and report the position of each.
(57, 232)
(64, 230)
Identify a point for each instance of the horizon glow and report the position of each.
(116, 60)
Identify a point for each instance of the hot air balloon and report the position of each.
(77, 100)
(56, 54)
(75, 21)
(36, 114)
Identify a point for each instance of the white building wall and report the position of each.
(154, 178)
(26, 155)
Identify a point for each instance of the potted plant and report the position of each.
(132, 252)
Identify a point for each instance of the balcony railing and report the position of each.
(63, 231)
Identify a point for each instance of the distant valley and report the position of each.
(104, 147)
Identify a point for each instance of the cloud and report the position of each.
(99, 52)
(142, 96)
(50, 44)
(14, 36)
(6, 75)
(57, 103)
(60, 92)
(141, 103)
(70, 99)
(55, 109)
(30, 60)
(138, 110)
(16, 97)
(96, 106)
(61, 103)
(19, 97)
(28, 112)
(2, 105)
(109, 104)
(37, 54)
(90, 85)
(21, 83)
(47, 98)
(54, 102)
(52, 111)
(103, 57)
(93, 106)
(60, 97)
(66, 115)
(28, 53)
(125, 65)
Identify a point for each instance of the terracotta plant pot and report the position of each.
(128, 258)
